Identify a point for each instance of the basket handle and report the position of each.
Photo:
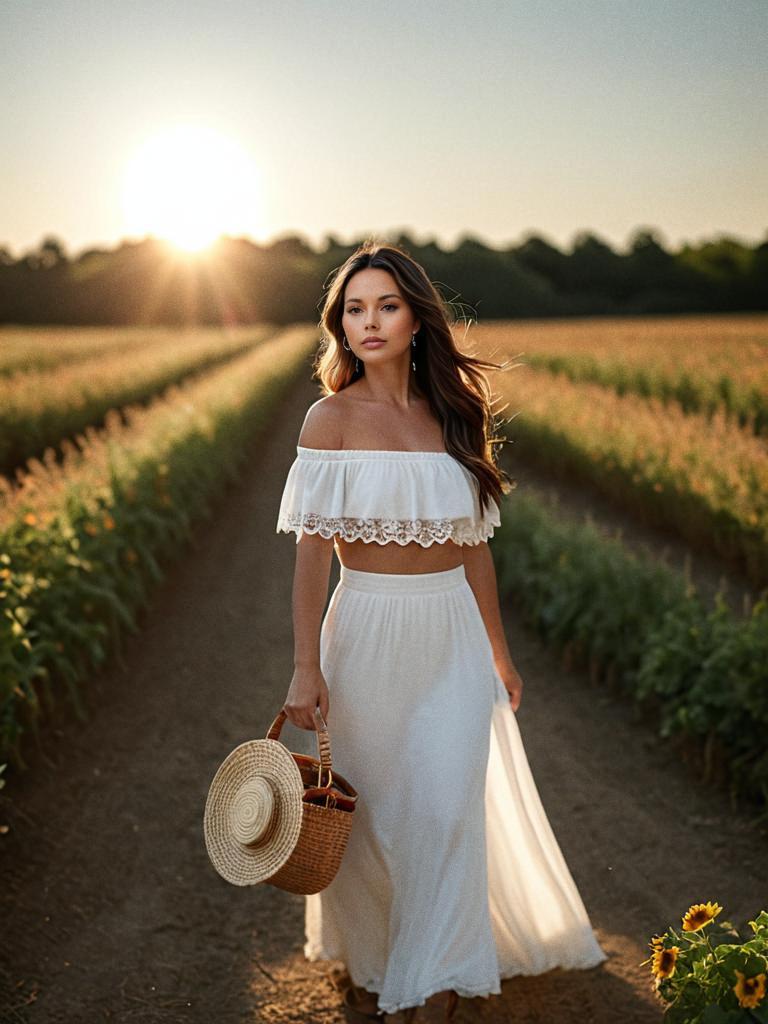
(323, 737)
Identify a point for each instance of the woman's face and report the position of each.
(374, 307)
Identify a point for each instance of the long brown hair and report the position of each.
(453, 382)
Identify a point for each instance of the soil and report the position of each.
(111, 910)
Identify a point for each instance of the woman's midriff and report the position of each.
(398, 558)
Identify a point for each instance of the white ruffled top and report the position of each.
(384, 497)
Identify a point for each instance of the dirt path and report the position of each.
(111, 911)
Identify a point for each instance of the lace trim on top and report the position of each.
(385, 531)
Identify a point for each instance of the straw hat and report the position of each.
(253, 812)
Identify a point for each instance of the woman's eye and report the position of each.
(388, 305)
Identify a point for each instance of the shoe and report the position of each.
(363, 1002)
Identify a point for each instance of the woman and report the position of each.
(452, 878)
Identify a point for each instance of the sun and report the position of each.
(189, 185)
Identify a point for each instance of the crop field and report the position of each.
(82, 528)
(702, 363)
(145, 629)
(609, 408)
(602, 403)
(41, 404)
(106, 435)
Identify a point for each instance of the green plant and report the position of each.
(712, 976)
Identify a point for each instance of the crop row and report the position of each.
(38, 408)
(83, 539)
(705, 478)
(45, 347)
(640, 629)
(701, 364)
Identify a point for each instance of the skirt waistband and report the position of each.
(402, 583)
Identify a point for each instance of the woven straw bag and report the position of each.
(279, 817)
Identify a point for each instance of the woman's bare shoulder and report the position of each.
(322, 427)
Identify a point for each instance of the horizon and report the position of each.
(207, 251)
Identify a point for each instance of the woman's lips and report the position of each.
(373, 342)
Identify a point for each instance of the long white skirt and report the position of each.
(452, 877)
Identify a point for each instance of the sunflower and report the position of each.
(700, 914)
(749, 991)
(663, 961)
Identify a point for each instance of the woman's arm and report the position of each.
(481, 576)
(322, 428)
(308, 688)
(310, 592)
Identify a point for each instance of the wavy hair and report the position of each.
(453, 382)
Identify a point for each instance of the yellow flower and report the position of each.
(749, 991)
(657, 941)
(698, 915)
(663, 961)
(30, 519)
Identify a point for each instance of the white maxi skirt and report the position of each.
(452, 877)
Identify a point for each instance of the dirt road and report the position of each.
(111, 911)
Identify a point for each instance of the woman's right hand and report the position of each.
(307, 691)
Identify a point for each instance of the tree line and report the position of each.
(239, 281)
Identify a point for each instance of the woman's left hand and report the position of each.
(512, 683)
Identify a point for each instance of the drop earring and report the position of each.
(413, 343)
(348, 347)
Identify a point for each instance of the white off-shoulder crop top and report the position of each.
(384, 496)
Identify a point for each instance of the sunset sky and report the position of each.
(497, 119)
